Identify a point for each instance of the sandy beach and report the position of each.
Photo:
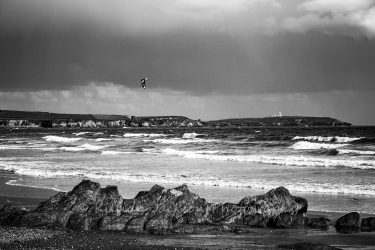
(207, 237)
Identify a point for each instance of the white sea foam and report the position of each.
(103, 139)
(54, 138)
(83, 147)
(143, 135)
(144, 150)
(278, 160)
(190, 135)
(313, 145)
(337, 139)
(149, 150)
(81, 133)
(8, 147)
(356, 152)
(46, 170)
(14, 183)
(180, 141)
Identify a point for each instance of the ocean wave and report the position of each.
(137, 151)
(14, 183)
(313, 145)
(195, 180)
(337, 139)
(356, 152)
(103, 139)
(10, 147)
(277, 160)
(28, 147)
(192, 135)
(54, 138)
(44, 169)
(83, 147)
(114, 152)
(149, 150)
(213, 181)
(143, 135)
(81, 133)
(181, 141)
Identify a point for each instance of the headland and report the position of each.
(12, 118)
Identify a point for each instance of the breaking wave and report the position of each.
(356, 152)
(337, 139)
(54, 138)
(313, 145)
(143, 135)
(180, 141)
(189, 179)
(81, 133)
(277, 160)
(192, 135)
(83, 147)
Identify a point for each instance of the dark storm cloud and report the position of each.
(181, 45)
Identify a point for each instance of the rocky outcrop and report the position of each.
(350, 220)
(159, 210)
(368, 222)
(316, 222)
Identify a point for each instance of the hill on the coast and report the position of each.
(282, 121)
(13, 118)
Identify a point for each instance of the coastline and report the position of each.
(30, 197)
(265, 238)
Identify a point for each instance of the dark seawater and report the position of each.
(334, 167)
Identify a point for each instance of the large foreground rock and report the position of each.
(159, 210)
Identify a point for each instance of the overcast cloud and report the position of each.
(198, 55)
(354, 18)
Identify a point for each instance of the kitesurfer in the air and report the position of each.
(143, 82)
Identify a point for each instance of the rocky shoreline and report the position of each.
(162, 212)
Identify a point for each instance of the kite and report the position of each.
(143, 82)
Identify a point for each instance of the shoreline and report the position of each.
(30, 197)
(265, 238)
(21, 196)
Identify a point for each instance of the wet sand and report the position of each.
(19, 196)
(206, 238)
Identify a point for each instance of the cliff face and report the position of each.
(9, 118)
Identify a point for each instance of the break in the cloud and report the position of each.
(355, 18)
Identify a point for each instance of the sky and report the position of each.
(204, 59)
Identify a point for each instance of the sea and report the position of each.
(332, 167)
